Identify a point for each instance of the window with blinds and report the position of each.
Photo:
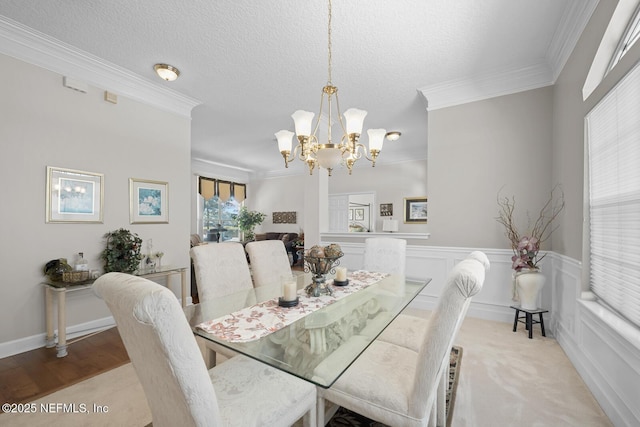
(221, 201)
(613, 132)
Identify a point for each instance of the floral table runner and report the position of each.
(259, 320)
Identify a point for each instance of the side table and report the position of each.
(529, 321)
(61, 288)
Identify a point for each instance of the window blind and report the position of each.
(208, 188)
(613, 132)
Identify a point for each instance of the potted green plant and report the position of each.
(247, 221)
(122, 252)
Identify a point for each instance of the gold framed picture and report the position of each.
(415, 210)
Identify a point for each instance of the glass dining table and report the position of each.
(321, 341)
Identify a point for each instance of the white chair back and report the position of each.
(162, 349)
(385, 254)
(221, 269)
(269, 261)
(463, 282)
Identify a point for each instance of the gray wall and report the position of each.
(45, 124)
(482, 148)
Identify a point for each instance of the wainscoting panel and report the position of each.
(436, 262)
(607, 359)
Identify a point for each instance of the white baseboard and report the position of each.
(33, 342)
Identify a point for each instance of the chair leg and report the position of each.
(210, 358)
(310, 418)
(320, 411)
(441, 396)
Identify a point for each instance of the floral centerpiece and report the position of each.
(247, 221)
(527, 246)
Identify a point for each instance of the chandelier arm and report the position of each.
(344, 129)
(315, 128)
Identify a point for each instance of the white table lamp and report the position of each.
(390, 225)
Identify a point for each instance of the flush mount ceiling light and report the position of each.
(166, 72)
(393, 135)
(327, 154)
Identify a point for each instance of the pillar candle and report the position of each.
(341, 274)
(290, 291)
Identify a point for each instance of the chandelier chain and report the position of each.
(329, 43)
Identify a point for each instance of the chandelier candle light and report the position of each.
(328, 155)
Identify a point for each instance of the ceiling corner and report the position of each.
(31, 46)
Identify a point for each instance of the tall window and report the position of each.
(221, 200)
(631, 35)
(613, 130)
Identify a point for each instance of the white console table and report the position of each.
(60, 289)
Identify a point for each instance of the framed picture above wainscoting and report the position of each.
(149, 201)
(415, 210)
(74, 196)
(386, 209)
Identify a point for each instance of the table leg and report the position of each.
(530, 325)
(542, 325)
(183, 282)
(62, 324)
(48, 309)
(515, 322)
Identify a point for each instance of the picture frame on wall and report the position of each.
(149, 201)
(358, 214)
(415, 210)
(386, 209)
(74, 196)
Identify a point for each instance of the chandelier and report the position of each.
(328, 154)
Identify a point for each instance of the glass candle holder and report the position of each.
(289, 288)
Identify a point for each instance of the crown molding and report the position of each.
(573, 22)
(462, 91)
(28, 45)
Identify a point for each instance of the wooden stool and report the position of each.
(529, 321)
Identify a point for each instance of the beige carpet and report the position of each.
(506, 380)
(118, 391)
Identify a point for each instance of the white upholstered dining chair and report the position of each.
(385, 254)
(221, 269)
(398, 386)
(269, 261)
(409, 331)
(179, 389)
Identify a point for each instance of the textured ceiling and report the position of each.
(252, 63)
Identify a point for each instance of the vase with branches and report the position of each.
(527, 280)
(526, 246)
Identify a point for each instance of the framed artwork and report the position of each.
(284, 218)
(415, 210)
(149, 201)
(74, 196)
(358, 214)
(386, 209)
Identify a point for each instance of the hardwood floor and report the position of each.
(28, 376)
